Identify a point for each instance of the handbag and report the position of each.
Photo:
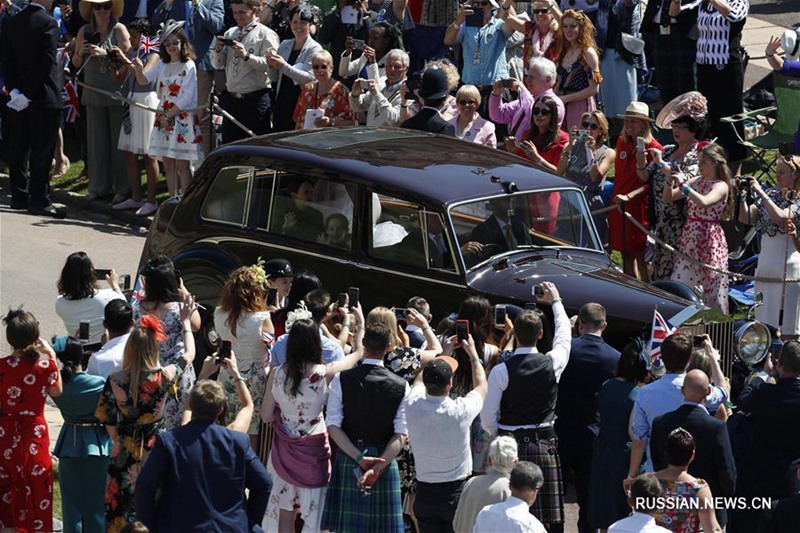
(629, 47)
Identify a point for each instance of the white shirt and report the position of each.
(510, 516)
(108, 359)
(637, 523)
(92, 309)
(335, 414)
(498, 377)
(438, 430)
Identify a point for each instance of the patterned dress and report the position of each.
(405, 362)
(680, 519)
(137, 427)
(704, 239)
(572, 79)
(26, 471)
(335, 103)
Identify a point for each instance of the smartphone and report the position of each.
(224, 351)
(500, 316)
(698, 340)
(113, 54)
(519, 144)
(227, 42)
(400, 314)
(94, 38)
(583, 135)
(126, 282)
(352, 295)
(83, 330)
(272, 297)
(506, 83)
(640, 144)
(359, 44)
(462, 330)
(538, 291)
(531, 306)
(476, 19)
(101, 273)
(342, 301)
(365, 85)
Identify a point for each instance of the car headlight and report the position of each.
(753, 340)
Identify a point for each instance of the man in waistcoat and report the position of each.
(366, 418)
(521, 402)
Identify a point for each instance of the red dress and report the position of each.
(546, 205)
(26, 471)
(627, 238)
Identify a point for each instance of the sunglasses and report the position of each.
(589, 126)
(467, 102)
(102, 7)
(541, 111)
(176, 42)
(540, 11)
(319, 67)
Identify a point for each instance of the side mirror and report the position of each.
(758, 301)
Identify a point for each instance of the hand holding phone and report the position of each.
(462, 330)
(500, 313)
(359, 44)
(224, 352)
(83, 330)
(640, 144)
(341, 303)
(227, 42)
(400, 314)
(272, 298)
(353, 295)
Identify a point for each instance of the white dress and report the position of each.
(252, 359)
(300, 415)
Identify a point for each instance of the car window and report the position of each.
(227, 196)
(406, 233)
(313, 209)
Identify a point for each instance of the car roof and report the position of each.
(441, 169)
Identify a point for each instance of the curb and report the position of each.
(80, 203)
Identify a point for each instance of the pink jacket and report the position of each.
(517, 114)
(481, 132)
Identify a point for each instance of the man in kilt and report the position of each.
(521, 402)
(366, 419)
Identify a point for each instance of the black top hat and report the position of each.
(433, 84)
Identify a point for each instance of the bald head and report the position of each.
(696, 386)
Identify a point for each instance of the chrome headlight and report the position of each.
(753, 341)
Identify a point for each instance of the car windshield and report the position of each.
(554, 218)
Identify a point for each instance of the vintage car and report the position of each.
(400, 213)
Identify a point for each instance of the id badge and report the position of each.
(476, 58)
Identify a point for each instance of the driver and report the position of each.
(503, 229)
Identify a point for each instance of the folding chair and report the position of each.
(787, 100)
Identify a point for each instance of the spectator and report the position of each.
(512, 516)
(292, 61)
(713, 461)
(521, 402)
(300, 460)
(707, 358)
(207, 466)
(204, 20)
(425, 37)
(30, 71)
(241, 317)
(277, 15)
(280, 276)
(335, 32)
(578, 68)
(449, 108)
(383, 101)
(710, 200)
(630, 171)
(372, 63)
(137, 123)
(93, 44)
(325, 98)
(239, 420)
(83, 446)
(643, 499)
(435, 422)
(433, 90)
(591, 363)
(542, 36)
(586, 161)
(783, 514)
(786, 67)
(366, 419)
(301, 285)
(766, 470)
(416, 336)
(469, 125)
(79, 299)
(611, 453)
(688, 123)
(779, 259)
(164, 297)
(247, 84)
(176, 136)
(720, 64)
(544, 141)
(480, 491)
(118, 323)
(677, 483)
(29, 374)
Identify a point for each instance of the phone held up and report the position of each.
(342, 301)
(500, 316)
(698, 340)
(462, 330)
(83, 331)
(400, 314)
(353, 294)
(272, 297)
(224, 351)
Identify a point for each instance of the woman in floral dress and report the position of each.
(709, 201)
(176, 135)
(132, 409)
(299, 462)
(325, 94)
(27, 377)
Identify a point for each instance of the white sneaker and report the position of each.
(130, 203)
(147, 209)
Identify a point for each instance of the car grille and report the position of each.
(722, 336)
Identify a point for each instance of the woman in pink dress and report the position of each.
(710, 201)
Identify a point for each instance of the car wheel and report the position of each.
(205, 282)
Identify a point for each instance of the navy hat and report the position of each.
(433, 84)
(278, 268)
(440, 371)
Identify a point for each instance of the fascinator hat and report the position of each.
(691, 104)
(168, 28)
(85, 8)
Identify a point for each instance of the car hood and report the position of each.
(581, 276)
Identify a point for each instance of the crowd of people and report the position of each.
(338, 419)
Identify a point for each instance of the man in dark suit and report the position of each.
(202, 470)
(433, 90)
(504, 230)
(713, 459)
(784, 514)
(33, 80)
(591, 363)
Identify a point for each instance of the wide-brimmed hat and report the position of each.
(433, 84)
(168, 28)
(85, 8)
(637, 110)
(439, 371)
(691, 104)
(790, 42)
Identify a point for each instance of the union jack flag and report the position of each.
(148, 44)
(661, 330)
(70, 102)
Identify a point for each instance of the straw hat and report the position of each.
(85, 7)
(691, 104)
(637, 110)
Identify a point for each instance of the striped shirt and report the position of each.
(715, 39)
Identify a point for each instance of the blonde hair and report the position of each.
(450, 72)
(792, 163)
(140, 356)
(385, 316)
(716, 154)
(545, 5)
(469, 91)
(601, 120)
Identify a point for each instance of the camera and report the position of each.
(227, 42)
(698, 341)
